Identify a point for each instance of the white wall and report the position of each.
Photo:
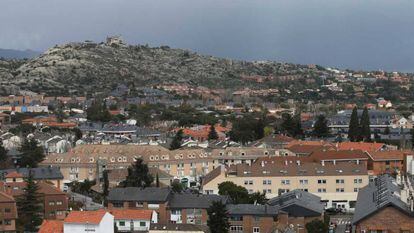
(105, 226)
(137, 225)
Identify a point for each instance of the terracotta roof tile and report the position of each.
(132, 214)
(91, 217)
(51, 226)
(389, 155)
(364, 146)
(14, 174)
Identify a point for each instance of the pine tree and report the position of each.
(31, 153)
(218, 221)
(212, 134)
(320, 129)
(353, 132)
(29, 207)
(3, 153)
(259, 129)
(297, 130)
(138, 175)
(365, 126)
(177, 140)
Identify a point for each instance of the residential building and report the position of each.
(336, 183)
(387, 162)
(8, 213)
(178, 228)
(383, 206)
(89, 221)
(51, 175)
(150, 198)
(127, 220)
(54, 201)
(252, 218)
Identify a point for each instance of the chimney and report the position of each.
(262, 163)
(334, 162)
(286, 162)
(357, 162)
(298, 162)
(323, 162)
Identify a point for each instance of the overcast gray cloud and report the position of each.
(369, 34)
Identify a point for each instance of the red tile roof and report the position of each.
(388, 155)
(51, 226)
(14, 174)
(364, 146)
(91, 217)
(339, 155)
(132, 214)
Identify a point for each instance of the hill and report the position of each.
(91, 67)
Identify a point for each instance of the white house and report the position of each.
(99, 221)
(134, 220)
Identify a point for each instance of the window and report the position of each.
(322, 190)
(59, 212)
(285, 182)
(236, 228)
(236, 218)
(118, 204)
(248, 182)
(356, 190)
(267, 182)
(59, 203)
(267, 191)
(256, 229)
(303, 181)
(7, 222)
(139, 204)
(321, 181)
(7, 210)
(51, 203)
(340, 190)
(357, 181)
(340, 181)
(122, 223)
(142, 224)
(305, 190)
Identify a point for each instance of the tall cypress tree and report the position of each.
(218, 220)
(138, 175)
(320, 129)
(353, 131)
(212, 134)
(29, 207)
(365, 126)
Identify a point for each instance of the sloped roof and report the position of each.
(90, 217)
(383, 192)
(339, 155)
(39, 173)
(150, 194)
(388, 155)
(196, 201)
(364, 146)
(51, 226)
(132, 214)
(251, 209)
(14, 174)
(298, 203)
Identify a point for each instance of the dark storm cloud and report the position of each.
(369, 34)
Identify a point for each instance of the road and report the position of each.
(341, 222)
(87, 201)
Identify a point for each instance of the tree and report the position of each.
(353, 131)
(3, 154)
(212, 134)
(29, 207)
(387, 130)
(292, 126)
(218, 220)
(105, 185)
(317, 226)
(177, 140)
(257, 198)
(412, 138)
(138, 175)
(365, 132)
(177, 186)
(31, 153)
(98, 112)
(259, 129)
(320, 129)
(238, 194)
(78, 133)
(247, 129)
(157, 180)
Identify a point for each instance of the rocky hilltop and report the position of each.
(91, 67)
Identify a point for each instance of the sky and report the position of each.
(356, 34)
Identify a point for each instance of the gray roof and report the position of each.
(196, 201)
(39, 173)
(381, 193)
(298, 203)
(251, 209)
(150, 194)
